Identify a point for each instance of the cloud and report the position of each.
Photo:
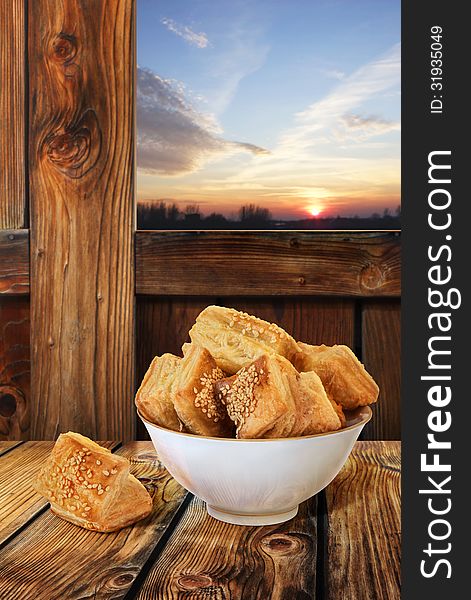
(172, 137)
(364, 127)
(322, 116)
(199, 40)
(334, 74)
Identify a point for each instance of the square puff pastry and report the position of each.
(91, 487)
(194, 399)
(270, 399)
(235, 339)
(154, 398)
(345, 379)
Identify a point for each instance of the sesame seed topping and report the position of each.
(98, 462)
(206, 399)
(100, 492)
(105, 472)
(239, 397)
(114, 471)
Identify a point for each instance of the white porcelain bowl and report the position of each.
(256, 482)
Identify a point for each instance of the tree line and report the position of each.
(167, 215)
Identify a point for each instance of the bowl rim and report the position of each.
(365, 418)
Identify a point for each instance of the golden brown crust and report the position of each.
(195, 401)
(154, 398)
(316, 412)
(235, 339)
(269, 399)
(345, 379)
(91, 487)
(339, 412)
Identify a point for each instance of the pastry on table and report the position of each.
(195, 402)
(345, 379)
(270, 399)
(154, 399)
(235, 339)
(91, 487)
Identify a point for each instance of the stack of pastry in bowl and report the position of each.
(243, 377)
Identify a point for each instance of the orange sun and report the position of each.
(315, 211)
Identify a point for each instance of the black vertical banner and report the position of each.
(436, 328)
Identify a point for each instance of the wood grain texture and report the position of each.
(14, 261)
(206, 558)
(163, 324)
(6, 446)
(381, 339)
(15, 376)
(268, 263)
(19, 503)
(12, 114)
(81, 64)
(53, 559)
(364, 525)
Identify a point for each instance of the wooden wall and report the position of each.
(84, 300)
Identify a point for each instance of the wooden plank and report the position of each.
(268, 263)
(6, 446)
(208, 558)
(19, 503)
(14, 269)
(364, 524)
(12, 114)
(14, 261)
(381, 340)
(15, 400)
(163, 324)
(81, 65)
(53, 559)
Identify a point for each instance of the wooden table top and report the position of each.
(343, 544)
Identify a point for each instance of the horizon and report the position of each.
(294, 107)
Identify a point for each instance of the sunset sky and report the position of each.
(293, 105)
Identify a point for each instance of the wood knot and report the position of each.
(194, 582)
(302, 280)
(10, 398)
(294, 243)
(147, 457)
(120, 581)
(64, 48)
(75, 150)
(371, 277)
(280, 544)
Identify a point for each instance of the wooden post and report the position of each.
(12, 117)
(14, 267)
(81, 161)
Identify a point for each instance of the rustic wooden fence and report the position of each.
(85, 301)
